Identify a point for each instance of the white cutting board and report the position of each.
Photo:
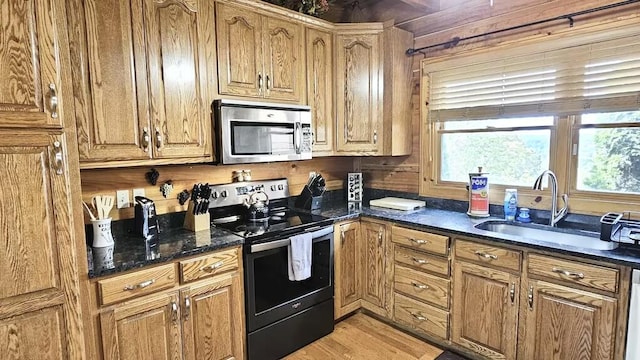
(398, 203)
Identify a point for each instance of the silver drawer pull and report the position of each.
(142, 285)
(420, 261)
(213, 267)
(418, 316)
(486, 256)
(418, 241)
(419, 286)
(568, 273)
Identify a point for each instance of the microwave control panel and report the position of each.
(307, 139)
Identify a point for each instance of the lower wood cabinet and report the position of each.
(485, 310)
(559, 322)
(347, 260)
(374, 241)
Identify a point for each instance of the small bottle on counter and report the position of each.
(510, 204)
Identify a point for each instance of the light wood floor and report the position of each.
(362, 337)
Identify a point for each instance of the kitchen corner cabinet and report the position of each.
(347, 259)
(146, 78)
(38, 287)
(319, 45)
(374, 271)
(30, 79)
(259, 55)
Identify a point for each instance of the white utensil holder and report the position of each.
(102, 236)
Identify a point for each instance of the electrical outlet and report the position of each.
(122, 199)
(138, 192)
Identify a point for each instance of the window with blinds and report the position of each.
(571, 105)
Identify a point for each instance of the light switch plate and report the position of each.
(138, 192)
(122, 199)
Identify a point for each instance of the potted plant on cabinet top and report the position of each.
(309, 7)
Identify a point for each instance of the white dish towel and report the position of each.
(300, 257)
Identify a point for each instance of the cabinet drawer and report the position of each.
(208, 265)
(141, 282)
(429, 288)
(422, 260)
(488, 255)
(593, 276)
(419, 240)
(421, 317)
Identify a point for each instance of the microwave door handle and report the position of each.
(297, 135)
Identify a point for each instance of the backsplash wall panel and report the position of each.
(108, 181)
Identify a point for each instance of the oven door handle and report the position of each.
(316, 235)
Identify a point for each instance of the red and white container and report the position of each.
(478, 194)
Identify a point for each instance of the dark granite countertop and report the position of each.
(459, 223)
(130, 251)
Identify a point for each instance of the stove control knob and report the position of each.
(214, 194)
(223, 193)
(273, 188)
(280, 187)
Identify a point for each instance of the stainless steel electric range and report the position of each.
(281, 315)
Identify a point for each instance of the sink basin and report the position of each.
(547, 234)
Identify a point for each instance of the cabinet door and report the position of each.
(284, 64)
(37, 261)
(485, 310)
(374, 241)
(564, 323)
(347, 268)
(145, 329)
(112, 112)
(239, 51)
(29, 63)
(181, 57)
(358, 94)
(212, 320)
(320, 89)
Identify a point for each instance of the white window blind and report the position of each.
(600, 76)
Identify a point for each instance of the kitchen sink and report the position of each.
(548, 234)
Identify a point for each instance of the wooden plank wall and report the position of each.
(466, 18)
(107, 181)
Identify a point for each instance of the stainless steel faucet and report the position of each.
(555, 214)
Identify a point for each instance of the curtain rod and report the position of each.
(453, 42)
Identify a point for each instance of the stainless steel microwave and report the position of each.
(250, 132)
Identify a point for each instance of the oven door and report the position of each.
(270, 295)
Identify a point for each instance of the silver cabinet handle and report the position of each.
(53, 101)
(141, 285)
(58, 162)
(418, 316)
(158, 139)
(187, 308)
(419, 286)
(418, 241)
(486, 256)
(420, 261)
(380, 237)
(268, 83)
(568, 273)
(213, 267)
(342, 236)
(260, 83)
(512, 292)
(174, 311)
(375, 136)
(530, 297)
(145, 139)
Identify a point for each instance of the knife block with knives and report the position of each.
(311, 196)
(197, 216)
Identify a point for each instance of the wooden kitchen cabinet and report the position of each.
(359, 92)
(39, 306)
(145, 329)
(485, 310)
(348, 264)
(559, 322)
(374, 271)
(319, 45)
(259, 55)
(213, 322)
(143, 92)
(30, 79)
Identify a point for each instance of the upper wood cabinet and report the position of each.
(30, 63)
(319, 45)
(347, 259)
(259, 55)
(146, 79)
(359, 93)
(39, 312)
